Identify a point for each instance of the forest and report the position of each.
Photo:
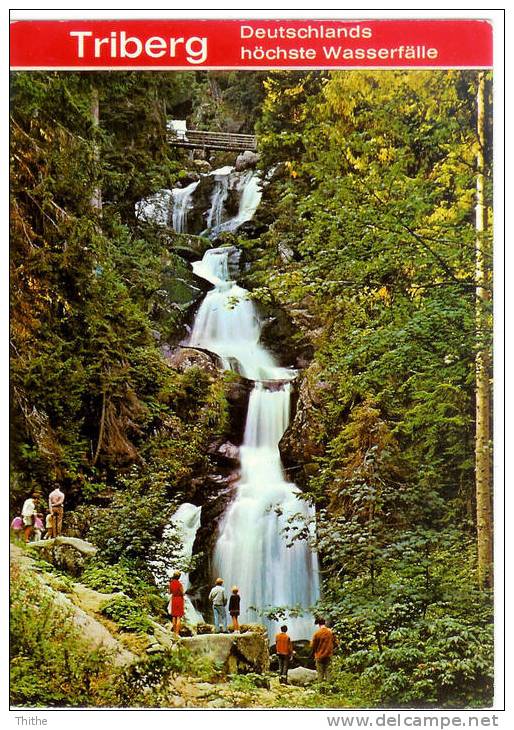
(369, 261)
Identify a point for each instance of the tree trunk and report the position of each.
(96, 198)
(483, 468)
(101, 429)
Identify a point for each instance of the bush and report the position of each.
(128, 615)
(50, 666)
(106, 578)
(135, 519)
(442, 662)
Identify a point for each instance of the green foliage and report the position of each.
(248, 682)
(373, 205)
(134, 521)
(50, 664)
(147, 683)
(127, 614)
(440, 662)
(106, 578)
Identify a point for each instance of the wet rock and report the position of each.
(246, 160)
(226, 450)
(215, 492)
(278, 335)
(237, 392)
(302, 677)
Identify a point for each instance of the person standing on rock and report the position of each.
(284, 649)
(28, 513)
(219, 600)
(234, 607)
(176, 604)
(56, 507)
(49, 521)
(323, 645)
(38, 527)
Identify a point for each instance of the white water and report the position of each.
(182, 204)
(183, 524)
(228, 324)
(219, 195)
(156, 208)
(252, 551)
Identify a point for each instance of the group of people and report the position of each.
(323, 642)
(30, 523)
(217, 597)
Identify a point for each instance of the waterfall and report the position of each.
(156, 208)
(251, 551)
(183, 524)
(228, 324)
(219, 195)
(248, 187)
(182, 203)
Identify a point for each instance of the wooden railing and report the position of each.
(194, 138)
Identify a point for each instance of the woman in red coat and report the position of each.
(176, 604)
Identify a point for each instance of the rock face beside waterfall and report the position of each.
(239, 653)
(184, 358)
(246, 159)
(299, 444)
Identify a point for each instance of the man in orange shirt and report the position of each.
(284, 648)
(323, 645)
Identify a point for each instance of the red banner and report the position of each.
(189, 44)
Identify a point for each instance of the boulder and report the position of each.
(183, 358)
(236, 653)
(237, 392)
(187, 246)
(65, 553)
(246, 160)
(302, 677)
(226, 450)
(202, 166)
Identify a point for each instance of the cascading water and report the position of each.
(252, 550)
(183, 524)
(219, 195)
(182, 203)
(248, 187)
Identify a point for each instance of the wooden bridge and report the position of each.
(194, 139)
